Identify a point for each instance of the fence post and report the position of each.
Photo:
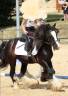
(17, 18)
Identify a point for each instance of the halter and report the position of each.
(47, 43)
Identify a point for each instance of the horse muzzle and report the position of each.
(56, 46)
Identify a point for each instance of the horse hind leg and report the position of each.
(12, 72)
(22, 73)
(23, 69)
(25, 80)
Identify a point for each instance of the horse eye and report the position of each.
(57, 31)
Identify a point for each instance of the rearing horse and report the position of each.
(45, 38)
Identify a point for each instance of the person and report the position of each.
(64, 4)
(65, 10)
(34, 14)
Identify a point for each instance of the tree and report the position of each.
(6, 6)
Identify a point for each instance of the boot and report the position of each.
(28, 46)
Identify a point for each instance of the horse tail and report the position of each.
(2, 46)
(3, 62)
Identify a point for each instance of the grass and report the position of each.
(54, 17)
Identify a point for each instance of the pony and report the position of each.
(45, 38)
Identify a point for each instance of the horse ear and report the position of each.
(54, 25)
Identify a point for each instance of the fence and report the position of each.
(9, 33)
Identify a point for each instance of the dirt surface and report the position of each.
(60, 63)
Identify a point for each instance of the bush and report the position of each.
(6, 6)
(54, 17)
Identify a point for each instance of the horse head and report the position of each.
(46, 33)
(54, 37)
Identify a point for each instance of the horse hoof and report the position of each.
(28, 82)
(55, 85)
(43, 79)
(15, 86)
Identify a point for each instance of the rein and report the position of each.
(20, 46)
(47, 43)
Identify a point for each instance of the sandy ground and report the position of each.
(60, 63)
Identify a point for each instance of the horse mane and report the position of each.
(41, 30)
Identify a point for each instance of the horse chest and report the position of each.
(47, 54)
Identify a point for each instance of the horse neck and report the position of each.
(47, 46)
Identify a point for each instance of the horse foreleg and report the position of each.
(44, 73)
(52, 71)
(47, 71)
(51, 66)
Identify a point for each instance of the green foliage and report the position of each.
(47, 0)
(54, 17)
(6, 6)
